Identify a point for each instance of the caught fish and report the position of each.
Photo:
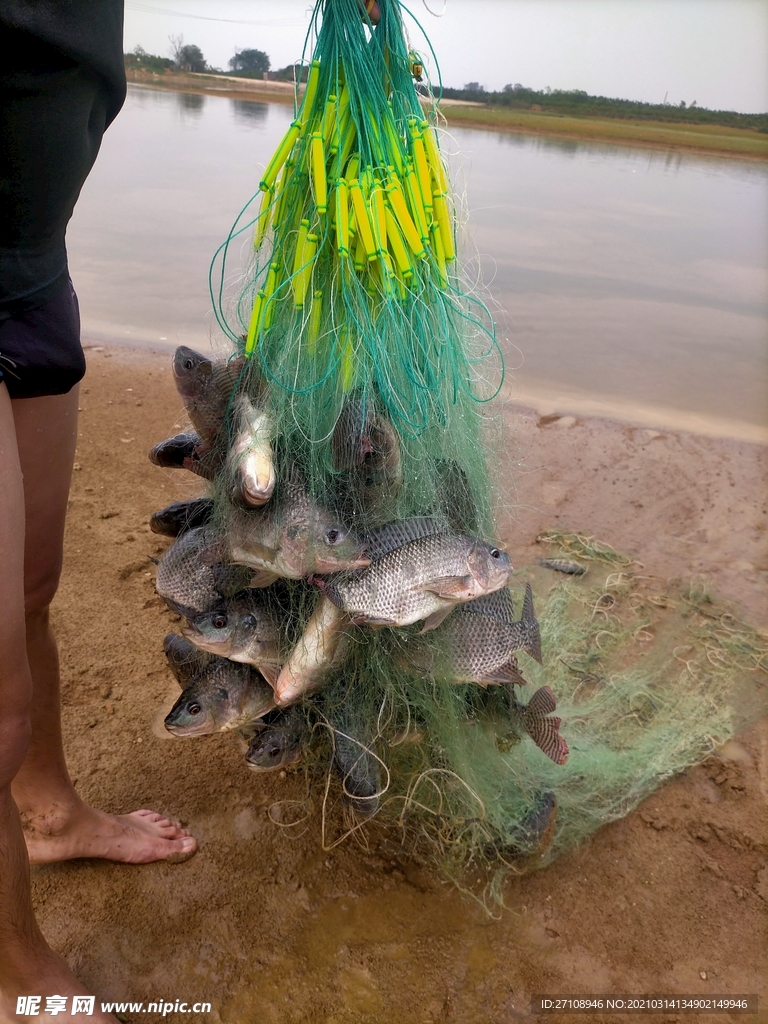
(181, 516)
(533, 834)
(314, 655)
(481, 638)
(292, 536)
(543, 728)
(243, 628)
(186, 451)
(357, 764)
(184, 659)
(366, 449)
(249, 462)
(223, 696)
(423, 579)
(278, 743)
(191, 585)
(206, 388)
(456, 500)
(562, 565)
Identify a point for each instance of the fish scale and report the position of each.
(187, 583)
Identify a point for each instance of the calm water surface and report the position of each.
(623, 275)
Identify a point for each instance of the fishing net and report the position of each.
(361, 369)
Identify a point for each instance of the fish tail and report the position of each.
(543, 727)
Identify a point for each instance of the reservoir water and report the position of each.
(623, 280)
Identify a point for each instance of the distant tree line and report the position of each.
(248, 63)
(577, 103)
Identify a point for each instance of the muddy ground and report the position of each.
(268, 926)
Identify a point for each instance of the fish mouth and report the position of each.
(220, 647)
(187, 730)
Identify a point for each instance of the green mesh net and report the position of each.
(362, 368)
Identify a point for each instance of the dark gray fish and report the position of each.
(292, 536)
(181, 516)
(543, 728)
(243, 628)
(184, 659)
(562, 565)
(533, 834)
(456, 500)
(206, 388)
(356, 764)
(424, 579)
(189, 579)
(523, 635)
(223, 696)
(278, 743)
(186, 451)
(365, 448)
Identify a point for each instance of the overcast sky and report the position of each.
(711, 51)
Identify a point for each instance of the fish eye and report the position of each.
(194, 709)
(219, 621)
(188, 364)
(495, 553)
(333, 536)
(249, 621)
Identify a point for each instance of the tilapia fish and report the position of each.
(365, 449)
(190, 582)
(423, 579)
(184, 659)
(181, 516)
(250, 466)
(313, 656)
(480, 640)
(223, 696)
(278, 743)
(206, 388)
(292, 536)
(543, 728)
(186, 451)
(243, 628)
(562, 565)
(356, 764)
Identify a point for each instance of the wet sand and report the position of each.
(267, 925)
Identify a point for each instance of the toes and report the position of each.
(182, 850)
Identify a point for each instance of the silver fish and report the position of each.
(482, 638)
(243, 628)
(562, 565)
(250, 465)
(206, 388)
(223, 696)
(278, 743)
(292, 536)
(181, 516)
(314, 655)
(423, 579)
(188, 578)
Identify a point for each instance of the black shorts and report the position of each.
(40, 350)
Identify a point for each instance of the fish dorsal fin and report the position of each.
(528, 614)
(497, 605)
(394, 535)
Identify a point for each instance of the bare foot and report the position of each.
(82, 831)
(44, 973)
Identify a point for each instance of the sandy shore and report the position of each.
(269, 927)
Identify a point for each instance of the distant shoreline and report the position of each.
(714, 140)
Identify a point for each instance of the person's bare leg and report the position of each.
(28, 966)
(58, 825)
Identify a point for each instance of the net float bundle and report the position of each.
(348, 608)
